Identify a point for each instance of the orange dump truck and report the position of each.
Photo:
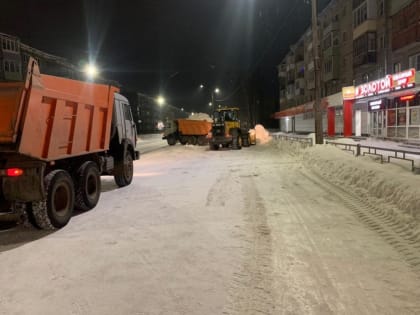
(187, 131)
(57, 137)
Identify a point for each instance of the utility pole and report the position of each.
(319, 137)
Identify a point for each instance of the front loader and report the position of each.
(227, 131)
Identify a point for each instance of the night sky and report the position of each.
(168, 46)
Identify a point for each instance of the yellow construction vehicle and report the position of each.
(227, 131)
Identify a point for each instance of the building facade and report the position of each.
(14, 57)
(362, 42)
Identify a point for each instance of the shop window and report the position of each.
(401, 117)
(391, 117)
(415, 116)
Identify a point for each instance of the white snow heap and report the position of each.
(263, 136)
(200, 116)
(390, 187)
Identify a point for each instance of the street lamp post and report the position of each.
(213, 95)
(317, 106)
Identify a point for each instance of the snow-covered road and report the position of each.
(253, 231)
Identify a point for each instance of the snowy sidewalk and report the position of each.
(401, 153)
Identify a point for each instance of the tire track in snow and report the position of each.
(400, 236)
(251, 289)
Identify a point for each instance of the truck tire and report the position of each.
(214, 147)
(201, 140)
(183, 140)
(245, 140)
(88, 186)
(236, 140)
(56, 210)
(123, 173)
(171, 139)
(192, 140)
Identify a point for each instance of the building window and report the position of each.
(10, 45)
(360, 15)
(414, 62)
(12, 66)
(364, 49)
(6, 66)
(327, 41)
(328, 65)
(381, 8)
(397, 67)
(344, 36)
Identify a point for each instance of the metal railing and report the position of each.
(363, 150)
(304, 141)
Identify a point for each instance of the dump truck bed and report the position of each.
(189, 127)
(51, 118)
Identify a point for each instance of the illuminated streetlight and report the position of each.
(201, 86)
(160, 100)
(91, 71)
(216, 91)
(210, 104)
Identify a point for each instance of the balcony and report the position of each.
(365, 58)
(365, 27)
(333, 26)
(311, 66)
(310, 84)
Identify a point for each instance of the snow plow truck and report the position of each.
(57, 137)
(187, 131)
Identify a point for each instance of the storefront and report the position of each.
(386, 108)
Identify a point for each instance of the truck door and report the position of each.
(124, 120)
(129, 125)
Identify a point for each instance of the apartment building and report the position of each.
(405, 35)
(14, 57)
(372, 49)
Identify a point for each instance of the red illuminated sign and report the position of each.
(407, 97)
(404, 79)
(397, 81)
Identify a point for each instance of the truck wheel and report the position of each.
(88, 186)
(171, 140)
(56, 210)
(123, 174)
(236, 140)
(192, 140)
(214, 147)
(245, 140)
(201, 140)
(183, 140)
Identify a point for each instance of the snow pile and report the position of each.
(263, 136)
(390, 186)
(200, 116)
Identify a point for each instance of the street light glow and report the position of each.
(201, 86)
(216, 90)
(210, 104)
(160, 100)
(91, 70)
